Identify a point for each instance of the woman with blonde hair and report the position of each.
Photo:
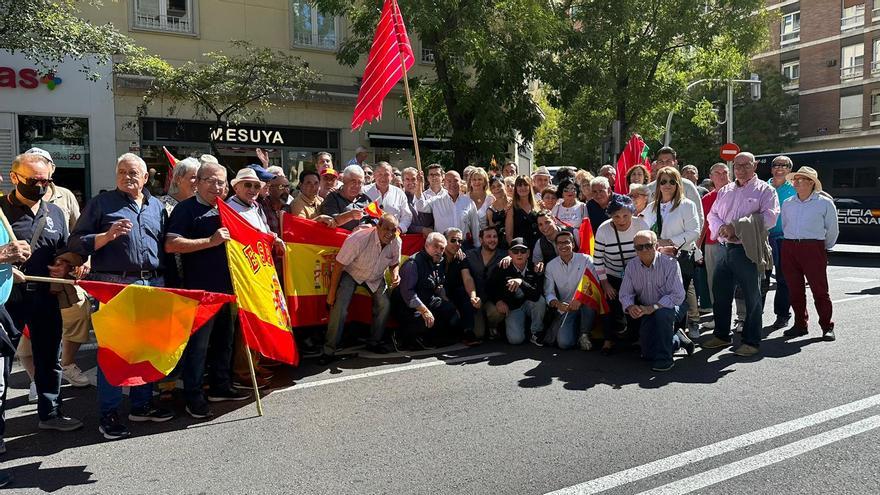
(478, 191)
(582, 178)
(675, 220)
(522, 218)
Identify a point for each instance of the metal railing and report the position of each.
(852, 22)
(327, 41)
(875, 118)
(851, 72)
(851, 124)
(875, 65)
(176, 24)
(791, 37)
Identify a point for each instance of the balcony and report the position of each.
(851, 124)
(852, 22)
(875, 66)
(171, 23)
(875, 119)
(852, 72)
(789, 38)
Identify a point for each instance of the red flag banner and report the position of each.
(262, 310)
(310, 252)
(172, 162)
(390, 54)
(142, 331)
(635, 153)
(586, 243)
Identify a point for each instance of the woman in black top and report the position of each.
(497, 213)
(522, 219)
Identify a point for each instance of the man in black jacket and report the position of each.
(517, 291)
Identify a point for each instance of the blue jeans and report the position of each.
(339, 312)
(573, 325)
(735, 268)
(216, 333)
(515, 321)
(658, 336)
(109, 396)
(781, 302)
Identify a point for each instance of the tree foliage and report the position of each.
(486, 53)
(227, 87)
(631, 60)
(50, 31)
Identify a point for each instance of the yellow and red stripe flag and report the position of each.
(310, 252)
(590, 293)
(373, 210)
(142, 331)
(262, 310)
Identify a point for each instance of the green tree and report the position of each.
(486, 53)
(227, 88)
(48, 31)
(631, 61)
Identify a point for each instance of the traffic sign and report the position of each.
(728, 151)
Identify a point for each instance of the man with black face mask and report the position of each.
(44, 227)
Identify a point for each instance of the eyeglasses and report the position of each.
(214, 182)
(518, 251)
(781, 165)
(251, 185)
(643, 247)
(455, 241)
(801, 178)
(32, 181)
(670, 182)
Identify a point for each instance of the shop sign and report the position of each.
(26, 79)
(66, 155)
(249, 136)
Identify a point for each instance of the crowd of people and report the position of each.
(501, 260)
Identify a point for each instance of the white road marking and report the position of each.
(386, 371)
(779, 454)
(708, 451)
(857, 298)
(856, 280)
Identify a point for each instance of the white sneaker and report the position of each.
(74, 376)
(584, 342)
(32, 394)
(709, 325)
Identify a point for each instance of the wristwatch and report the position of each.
(656, 306)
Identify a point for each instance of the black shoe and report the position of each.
(378, 348)
(199, 409)
(150, 413)
(5, 478)
(111, 428)
(225, 395)
(794, 332)
(686, 343)
(310, 351)
(661, 368)
(781, 322)
(397, 342)
(828, 335)
(420, 341)
(326, 359)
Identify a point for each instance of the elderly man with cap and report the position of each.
(360, 156)
(123, 232)
(517, 291)
(540, 180)
(346, 206)
(44, 227)
(809, 222)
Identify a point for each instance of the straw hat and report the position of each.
(808, 172)
(542, 171)
(246, 174)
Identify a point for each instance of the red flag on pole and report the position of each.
(390, 54)
(172, 162)
(635, 153)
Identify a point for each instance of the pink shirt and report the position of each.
(735, 202)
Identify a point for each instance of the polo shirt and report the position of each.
(51, 241)
(207, 269)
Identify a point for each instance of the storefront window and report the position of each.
(66, 139)
(156, 159)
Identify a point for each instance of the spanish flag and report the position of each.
(586, 243)
(262, 310)
(373, 210)
(589, 292)
(142, 331)
(310, 252)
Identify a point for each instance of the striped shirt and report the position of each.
(659, 283)
(614, 251)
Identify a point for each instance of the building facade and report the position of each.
(830, 52)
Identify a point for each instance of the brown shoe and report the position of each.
(746, 350)
(244, 382)
(715, 343)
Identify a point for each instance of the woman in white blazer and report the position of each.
(675, 220)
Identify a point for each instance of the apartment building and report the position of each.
(830, 51)
(72, 119)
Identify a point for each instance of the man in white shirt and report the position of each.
(361, 262)
(391, 199)
(435, 181)
(563, 274)
(452, 209)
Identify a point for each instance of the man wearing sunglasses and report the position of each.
(246, 186)
(517, 293)
(44, 227)
(651, 294)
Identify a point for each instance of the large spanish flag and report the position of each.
(142, 331)
(590, 293)
(262, 311)
(310, 252)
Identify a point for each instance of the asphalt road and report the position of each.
(802, 418)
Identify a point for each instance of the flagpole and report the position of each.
(409, 106)
(250, 360)
(49, 280)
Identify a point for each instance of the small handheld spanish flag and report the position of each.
(373, 210)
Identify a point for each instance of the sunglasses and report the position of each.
(251, 185)
(455, 241)
(518, 251)
(643, 247)
(33, 182)
(668, 181)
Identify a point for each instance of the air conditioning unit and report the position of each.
(831, 62)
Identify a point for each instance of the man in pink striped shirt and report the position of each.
(745, 196)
